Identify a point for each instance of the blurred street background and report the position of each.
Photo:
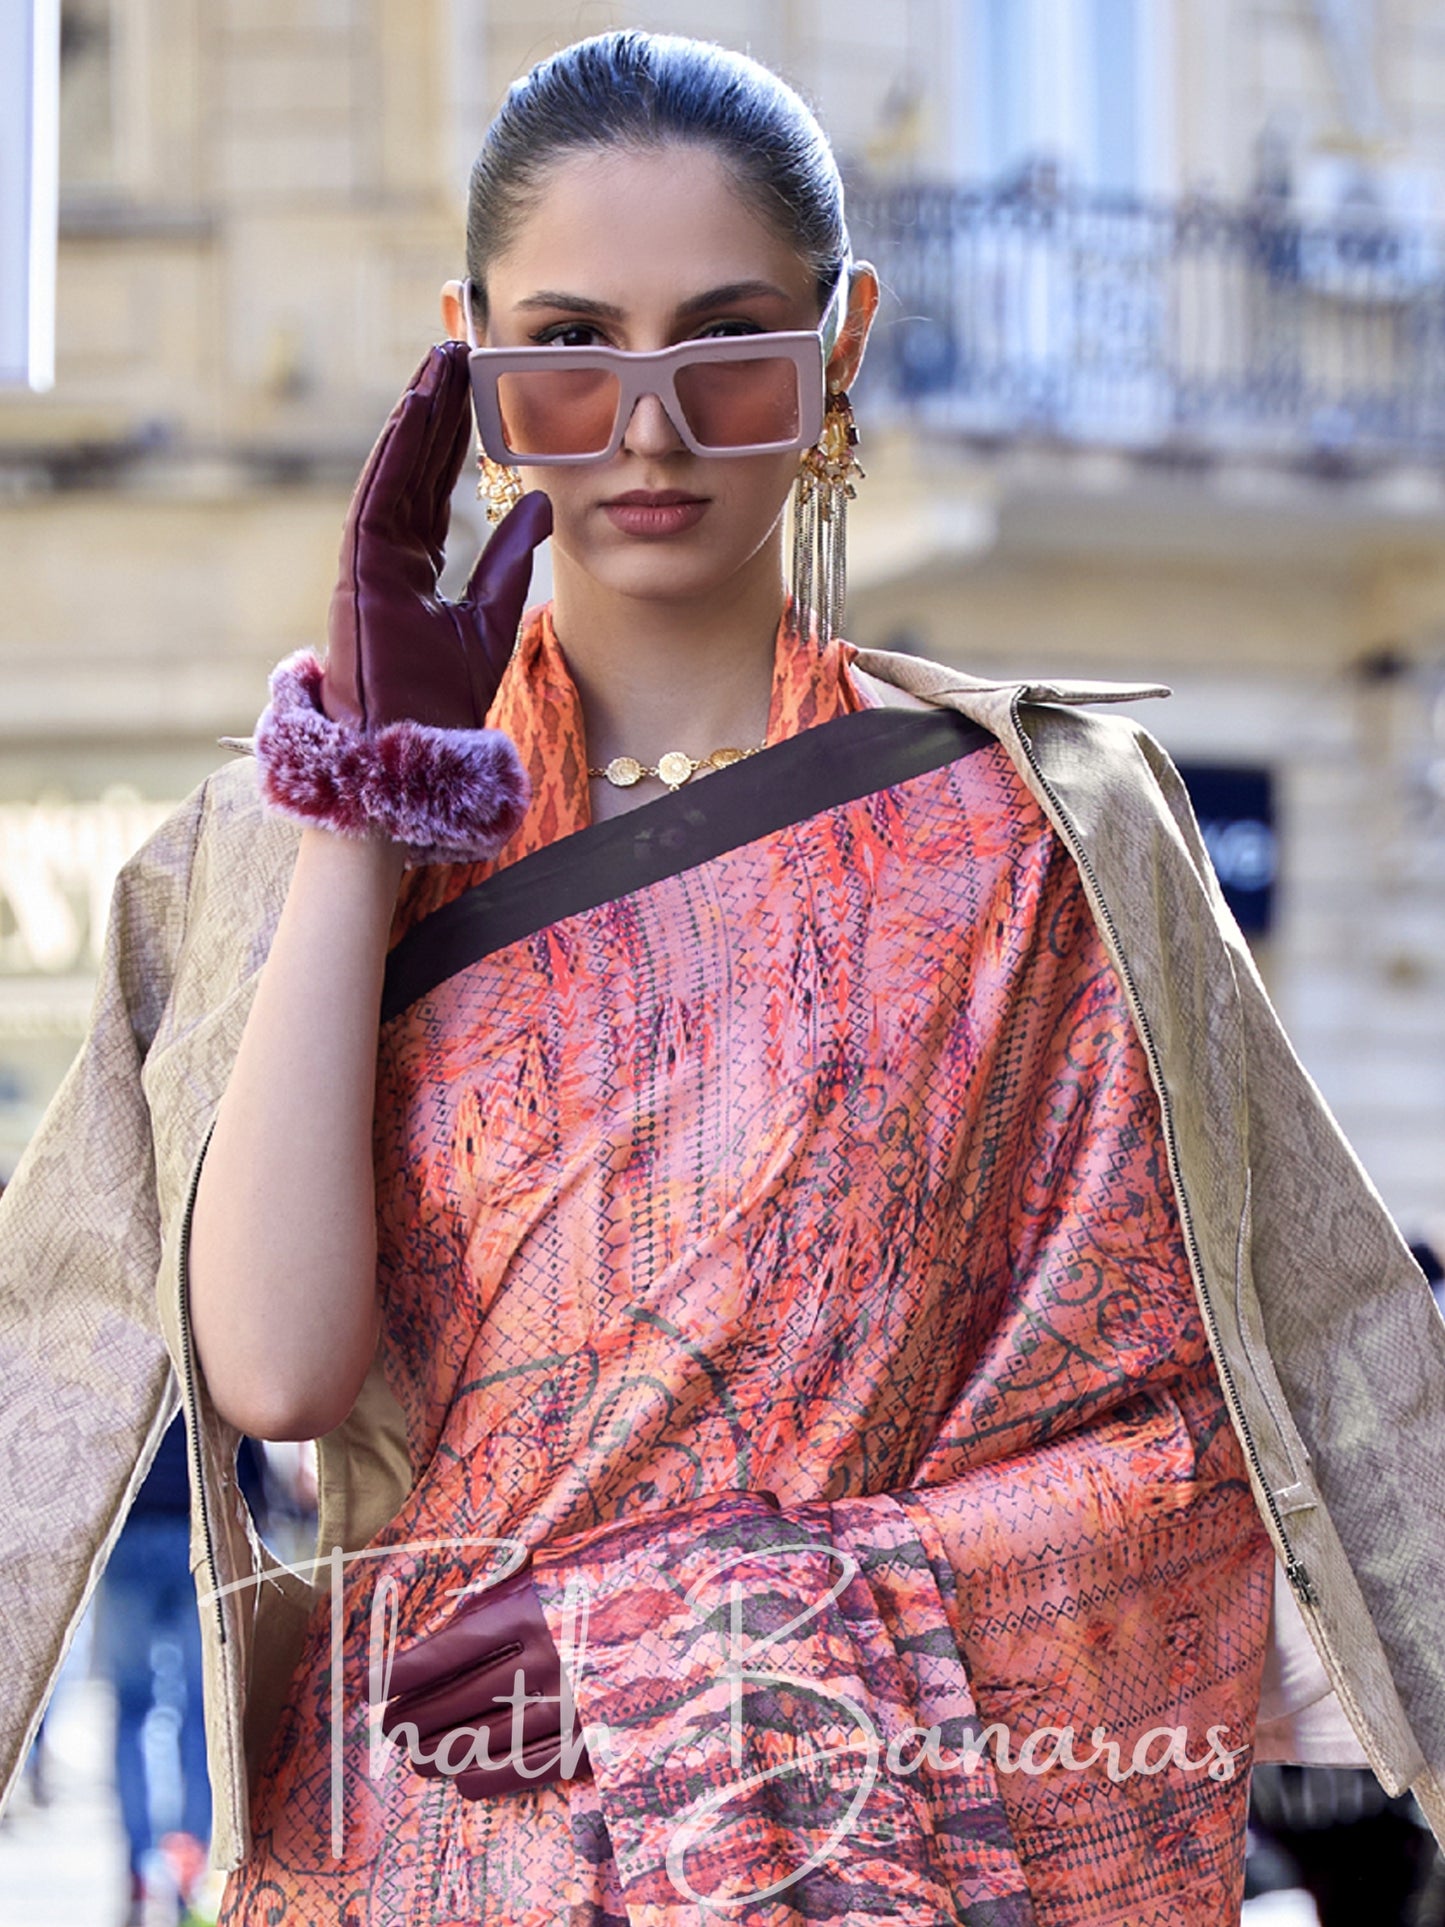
(1157, 392)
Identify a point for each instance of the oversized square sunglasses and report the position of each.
(758, 394)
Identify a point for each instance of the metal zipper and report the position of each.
(187, 1356)
(1295, 1572)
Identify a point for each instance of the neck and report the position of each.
(654, 675)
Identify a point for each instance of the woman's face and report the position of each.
(641, 250)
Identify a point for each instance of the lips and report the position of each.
(655, 512)
(650, 498)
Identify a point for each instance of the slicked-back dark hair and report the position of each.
(642, 90)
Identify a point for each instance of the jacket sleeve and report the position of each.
(1358, 1345)
(86, 1388)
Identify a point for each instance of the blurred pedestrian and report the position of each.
(150, 1648)
(1361, 1854)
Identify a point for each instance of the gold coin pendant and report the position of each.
(674, 768)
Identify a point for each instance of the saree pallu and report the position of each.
(828, 1164)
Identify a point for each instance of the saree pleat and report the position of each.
(831, 1166)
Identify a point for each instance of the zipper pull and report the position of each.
(1303, 1585)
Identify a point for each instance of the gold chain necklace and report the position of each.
(675, 767)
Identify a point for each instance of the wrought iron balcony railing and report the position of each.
(1197, 328)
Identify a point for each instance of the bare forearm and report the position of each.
(283, 1237)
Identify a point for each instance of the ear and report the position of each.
(453, 320)
(847, 355)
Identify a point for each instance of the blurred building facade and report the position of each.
(1157, 392)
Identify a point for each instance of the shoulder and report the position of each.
(897, 678)
(1112, 773)
(1049, 724)
(212, 873)
(1104, 780)
(234, 816)
(886, 695)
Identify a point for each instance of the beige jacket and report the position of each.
(1329, 1347)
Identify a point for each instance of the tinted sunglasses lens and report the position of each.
(558, 411)
(743, 403)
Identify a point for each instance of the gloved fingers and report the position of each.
(471, 1695)
(459, 1650)
(454, 440)
(484, 1740)
(382, 489)
(428, 499)
(482, 1763)
(439, 1754)
(497, 587)
(400, 509)
(417, 518)
(504, 1616)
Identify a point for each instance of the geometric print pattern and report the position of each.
(829, 1167)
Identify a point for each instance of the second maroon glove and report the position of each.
(453, 1696)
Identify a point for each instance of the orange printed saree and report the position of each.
(822, 1160)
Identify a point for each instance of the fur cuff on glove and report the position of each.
(449, 795)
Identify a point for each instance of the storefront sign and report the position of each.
(1235, 807)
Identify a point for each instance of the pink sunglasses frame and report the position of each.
(654, 373)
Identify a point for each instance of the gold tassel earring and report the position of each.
(500, 487)
(820, 521)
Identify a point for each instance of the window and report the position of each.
(1079, 81)
(1114, 83)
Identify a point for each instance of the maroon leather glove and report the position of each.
(453, 1700)
(396, 647)
(387, 737)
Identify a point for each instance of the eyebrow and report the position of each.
(723, 297)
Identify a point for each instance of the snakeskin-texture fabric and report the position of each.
(830, 1166)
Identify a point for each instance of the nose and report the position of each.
(651, 430)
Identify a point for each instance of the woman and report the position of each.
(816, 1218)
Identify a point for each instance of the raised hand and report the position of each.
(386, 737)
(397, 648)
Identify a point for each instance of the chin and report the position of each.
(682, 568)
(659, 579)
(657, 571)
